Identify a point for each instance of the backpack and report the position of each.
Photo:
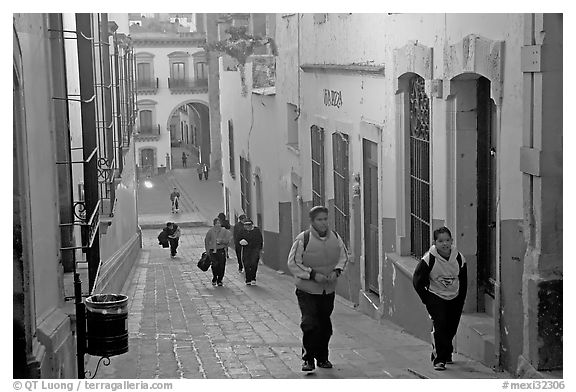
(433, 260)
(307, 237)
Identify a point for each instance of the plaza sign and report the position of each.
(332, 98)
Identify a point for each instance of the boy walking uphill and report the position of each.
(238, 230)
(317, 258)
(440, 279)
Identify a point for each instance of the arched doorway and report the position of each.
(148, 160)
(189, 125)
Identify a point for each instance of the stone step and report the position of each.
(476, 338)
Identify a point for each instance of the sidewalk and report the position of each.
(200, 201)
(182, 327)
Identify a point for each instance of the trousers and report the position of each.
(316, 325)
(250, 261)
(218, 265)
(238, 249)
(173, 245)
(445, 315)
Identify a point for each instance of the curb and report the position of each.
(145, 226)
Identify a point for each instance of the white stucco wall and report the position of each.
(256, 134)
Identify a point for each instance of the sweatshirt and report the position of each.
(446, 279)
(212, 236)
(253, 237)
(323, 255)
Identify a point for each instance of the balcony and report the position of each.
(186, 86)
(147, 133)
(147, 86)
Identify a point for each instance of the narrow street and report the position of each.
(182, 327)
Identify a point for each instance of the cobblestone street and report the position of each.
(182, 327)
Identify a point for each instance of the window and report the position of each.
(341, 185)
(201, 71)
(245, 187)
(146, 121)
(419, 168)
(144, 74)
(231, 148)
(177, 71)
(292, 121)
(317, 135)
(320, 18)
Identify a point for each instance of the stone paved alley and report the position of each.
(182, 327)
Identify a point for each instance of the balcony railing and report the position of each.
(148, 133)
(188, 85)
(149, 86)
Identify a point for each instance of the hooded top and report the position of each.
(446, 279)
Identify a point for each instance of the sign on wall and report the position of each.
(332, 98)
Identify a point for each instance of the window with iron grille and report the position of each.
(245, 187)
(231, 148)
(419, 168)
(317, 146)
(341, 185)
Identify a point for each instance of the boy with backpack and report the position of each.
(317, 258)
(440, 279)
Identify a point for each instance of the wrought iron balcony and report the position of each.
(147, 86)
(181, 86)
(147, 133)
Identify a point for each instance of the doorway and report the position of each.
(148, 160)
(486, 187)
(371, 234)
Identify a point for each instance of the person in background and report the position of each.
(184, 159)
(199, 170)
(174, 199)
(172, 231)
(205, 171)
(216, 241)
(441, 281)
(238, 230)
(317, 258)
(252, 242)
(225, 224)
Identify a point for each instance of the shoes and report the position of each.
(213, 283)
(450, 361)
(325, 364)
(220, 284)
(440, 366)
(253, 283)
(248, 283)
(308, 366)
(240, 270)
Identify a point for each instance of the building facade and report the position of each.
(437, 122)
(74, 188)
(173, 106)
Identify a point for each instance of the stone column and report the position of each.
(541, 165)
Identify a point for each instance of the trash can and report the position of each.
(107, 324)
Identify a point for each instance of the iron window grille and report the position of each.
(419, 168)
(317, 146)
(340, 154)
(231, 148)
(245, 186)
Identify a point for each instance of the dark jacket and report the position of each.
(253, 237)
(238, 230)
(163, 238)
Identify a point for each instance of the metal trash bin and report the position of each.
(106, 324)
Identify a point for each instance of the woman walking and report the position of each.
(216, 241)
